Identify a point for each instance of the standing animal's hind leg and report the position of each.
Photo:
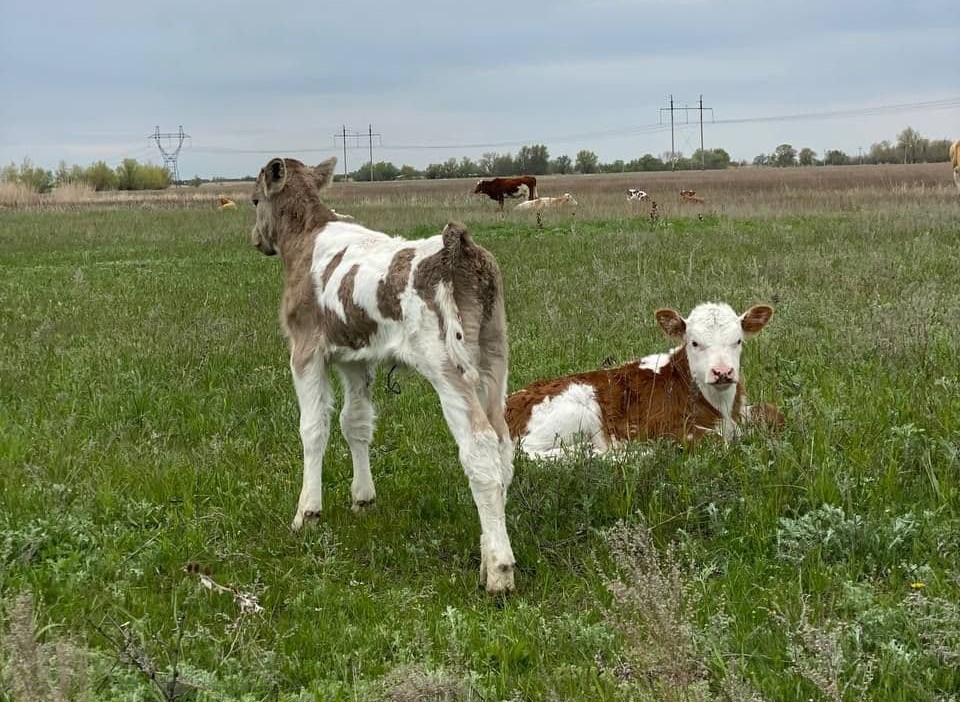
(480, 454)
(492, 365)
(315, 398)
(356, 424)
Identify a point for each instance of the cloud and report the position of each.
(76, 80)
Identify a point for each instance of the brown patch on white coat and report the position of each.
(354, 298)
(693, 391)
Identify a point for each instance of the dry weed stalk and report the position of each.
(654, 608)
(54, 671)
(817, 654)
(413, 683)
(654, 605)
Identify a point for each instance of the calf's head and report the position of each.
(713, 336)
(285, 185)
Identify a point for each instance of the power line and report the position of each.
(942, 104)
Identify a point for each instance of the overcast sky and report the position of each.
(82, 81)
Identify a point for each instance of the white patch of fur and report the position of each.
(563, 422)
(656, 361)
(717, 332)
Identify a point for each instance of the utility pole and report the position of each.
(344, 135)
(348, 135)
(673, 157)
(168, 152)
(703, 154)
(686, 110)
(370, 135)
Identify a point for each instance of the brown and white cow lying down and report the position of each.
(694, 390)
(500, 188)
(354, 298)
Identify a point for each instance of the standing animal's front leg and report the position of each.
(315, 397)
(356, 423)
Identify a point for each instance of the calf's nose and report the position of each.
(723, 374)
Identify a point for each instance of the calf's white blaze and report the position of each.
(714, 341)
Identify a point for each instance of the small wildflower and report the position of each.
(917, 586)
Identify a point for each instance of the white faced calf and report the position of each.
(694, 390)
(354, 298)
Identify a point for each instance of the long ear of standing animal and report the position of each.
(755, 319)
(275, 176)
(671, 322)
(323, 172)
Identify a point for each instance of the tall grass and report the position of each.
(148, 437)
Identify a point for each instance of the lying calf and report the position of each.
(694, 390)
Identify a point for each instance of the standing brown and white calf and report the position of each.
(694, 390)
(354, 298)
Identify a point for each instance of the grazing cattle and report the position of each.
(694, 390)
(636, 194)
(690, 196)
(955, 162)
(541, 204)
(354, 298)
(500, 188)
(226, 204)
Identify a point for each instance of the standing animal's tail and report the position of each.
(456, 245)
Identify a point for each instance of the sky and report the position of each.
(83, 81)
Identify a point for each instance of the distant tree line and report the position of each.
(910, 147)
(535, 160)
(129, 175)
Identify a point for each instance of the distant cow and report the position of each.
(354, 298)
(636, 194)
(342, 216)
(541, 204)
(955, 161)
(692, 391)
(500, 188)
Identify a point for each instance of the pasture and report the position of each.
(150, 459)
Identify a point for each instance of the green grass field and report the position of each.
(149, 447)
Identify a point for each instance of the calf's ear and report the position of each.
(323, 172)
(671, 322)
(755, 319)
(275, 176)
